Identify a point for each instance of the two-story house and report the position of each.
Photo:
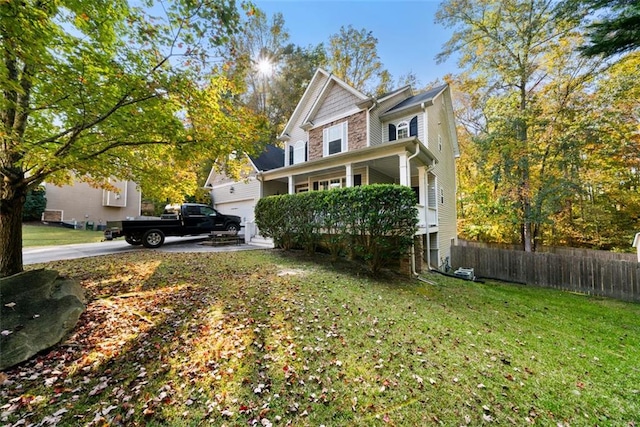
(339, 137)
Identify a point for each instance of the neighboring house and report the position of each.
(240, 197)
(339, 137)
(81, 204)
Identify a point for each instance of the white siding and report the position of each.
(377, 177)
(407, 118)
(375, 127)
(445, 172)
(241, 191)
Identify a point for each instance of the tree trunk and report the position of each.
(11, 206)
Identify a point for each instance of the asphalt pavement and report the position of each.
(35, 255)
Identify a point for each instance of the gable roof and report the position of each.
(271, 158)
(329, 84)
(419, 99)
(317, 78)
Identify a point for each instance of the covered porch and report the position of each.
(405, 162)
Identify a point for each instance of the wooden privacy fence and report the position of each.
(613, 278)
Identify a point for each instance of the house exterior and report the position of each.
(80, 203)
(240, 197)
(339, 137)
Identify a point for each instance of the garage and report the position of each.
(243, 208)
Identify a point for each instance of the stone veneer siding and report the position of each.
(356, 138)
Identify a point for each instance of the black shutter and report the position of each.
(290, 154)
(357, 180)
(306, 151)
(413, 126)
(392, 132)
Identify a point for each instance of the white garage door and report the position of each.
(244, 209)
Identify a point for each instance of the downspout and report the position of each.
(413, 246)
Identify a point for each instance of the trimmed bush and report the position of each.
(375, 223)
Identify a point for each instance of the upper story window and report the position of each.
(297, 152)
(334, 139)
(403, 129)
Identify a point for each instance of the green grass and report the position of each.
(49, 235)
(249, 337)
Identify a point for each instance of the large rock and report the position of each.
(37, 310)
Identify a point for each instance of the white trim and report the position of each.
(356, 156)
(299, 146)
(344, 138)
(336, 118)
(303, 101)
(325, 92)
(229, 184)
(395, 93)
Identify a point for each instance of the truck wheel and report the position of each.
(233, 227)
(133, 240)
(153, 239)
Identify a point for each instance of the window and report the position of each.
(441, 195)
(335, 139)
(328, 184)
(439, 142)
(402, 130)
(299, 152)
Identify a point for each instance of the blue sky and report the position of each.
(408, 39)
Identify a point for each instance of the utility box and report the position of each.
(465, 273)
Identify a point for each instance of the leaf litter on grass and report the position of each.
(228, 339)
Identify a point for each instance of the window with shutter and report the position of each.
(413, 127)
(403, 130)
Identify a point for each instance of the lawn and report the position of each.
(50, 235)
(265, 338)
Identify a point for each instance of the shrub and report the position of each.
(375, 222)
(35, 204)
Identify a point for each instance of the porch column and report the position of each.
(349, 172)
(292, 189)
(422, 185)
(404, 180)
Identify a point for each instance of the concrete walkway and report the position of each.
(34, 255)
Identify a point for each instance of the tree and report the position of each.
(353, 57)
(616, 29)
(35, 204)
(101, 89)
(294, 72)
(511, 51)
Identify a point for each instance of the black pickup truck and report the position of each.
(177, 220)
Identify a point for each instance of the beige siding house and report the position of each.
(81, 204)
(339, 137)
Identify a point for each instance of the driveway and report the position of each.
(34, 255)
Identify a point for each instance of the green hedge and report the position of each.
(373, 222)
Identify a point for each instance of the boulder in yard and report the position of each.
(37, 310)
